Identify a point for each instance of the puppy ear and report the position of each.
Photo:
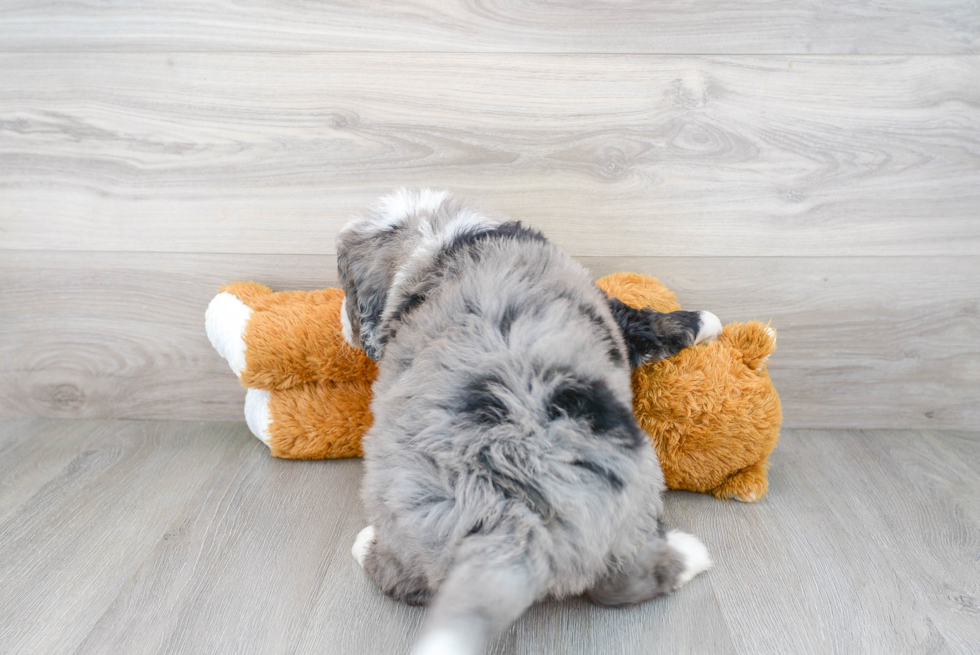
(365, 277)
(365, 301)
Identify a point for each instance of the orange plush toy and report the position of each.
(712, 410)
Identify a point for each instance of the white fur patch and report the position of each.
(445, 642)
(404, 202)
(345, 326)
(225, 321)
(257, 413)
(363, 543)
(696, 557)
(710, 327)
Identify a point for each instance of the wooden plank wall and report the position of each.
(812, 163)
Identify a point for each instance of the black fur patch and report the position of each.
(407, 305)
(614, 480)
(370, 307)
(593, 402)
(606, 333)
(651, 335)
(507, 319)
(481, 403)
(599, 324)
(526, 493)
(510, 230)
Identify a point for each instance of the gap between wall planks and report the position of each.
(877, 342)
(608, 155)
(745, 27)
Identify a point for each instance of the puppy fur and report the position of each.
(504, 464)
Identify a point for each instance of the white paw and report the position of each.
(696, 557)
(257, 413)
(710, 327)
(363, 543)
(444, 642)
(225, 321)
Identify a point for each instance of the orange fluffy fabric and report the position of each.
(711, 410)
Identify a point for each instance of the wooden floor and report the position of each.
(168, 537)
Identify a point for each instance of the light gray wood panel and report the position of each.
(753, 26)
(877, 342)
(612, 156)
(27, 464)
(244, 560)
(862, 545)
(70, 548)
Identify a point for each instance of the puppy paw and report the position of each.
(695, 554)
(257, 413)
(225, 321)
(362, 544)
(444, 642)
(710, 328)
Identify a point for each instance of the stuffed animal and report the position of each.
(711, 410)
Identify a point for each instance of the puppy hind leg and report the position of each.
(664, 564)
(693, 553)
(388, 572)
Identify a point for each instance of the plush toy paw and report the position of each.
(710, 328)
(225, 321)
(257, 414)
(748, 485)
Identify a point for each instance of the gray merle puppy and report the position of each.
(504, 464)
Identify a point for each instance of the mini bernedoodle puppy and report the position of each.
(504, 464)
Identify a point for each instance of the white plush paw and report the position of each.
(225, 321)
(362, 544)
(695, 554)
(710, 327)
(257, 413)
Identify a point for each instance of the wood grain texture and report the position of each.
(878, 342)
(171, 537)
(70, 547)
(637, 26)
(610, 156)
(868, 529)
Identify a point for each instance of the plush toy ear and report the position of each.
(639, 291)
(756, 341)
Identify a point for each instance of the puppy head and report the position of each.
(382, 256)
(370, 250)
